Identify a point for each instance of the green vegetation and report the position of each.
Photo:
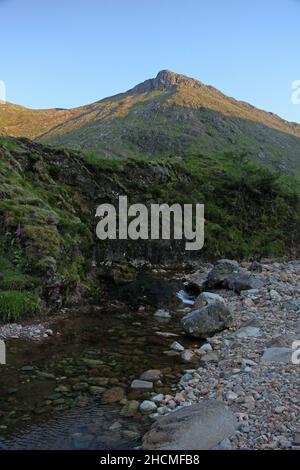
(50, 196)
(13, 278)
(53, 252)
(18, 291)
(160, 128)
(14, 304)
(250, 211)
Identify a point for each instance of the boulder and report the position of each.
(199, 427)
(208, 320)
(242, 281)
(218, 276)
(207, 298)
(196, 282)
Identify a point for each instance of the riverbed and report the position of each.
(73, 390)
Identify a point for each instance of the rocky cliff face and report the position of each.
(166, 80)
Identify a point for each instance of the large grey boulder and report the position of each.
(199, 427)
(242, 281)
(212, 316)
(218, 276)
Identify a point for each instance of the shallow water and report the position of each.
(112, 345)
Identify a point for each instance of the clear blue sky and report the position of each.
(67, 53)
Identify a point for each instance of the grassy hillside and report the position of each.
(47, 205)
(19, 121)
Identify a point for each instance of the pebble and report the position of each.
(27, 369)
(151, 375)
(141, 384)
(95, 390)
(158, 398)
(131, 434)
(161, 313)
(115, 426)
(188, 355)
(248, 331)
(206, 347)
(80, 387)
(130, 408)
(177, 346)
(113, 395)
(148, 406)
(26, 332)
(231, 396)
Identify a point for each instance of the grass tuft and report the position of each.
(15, 305)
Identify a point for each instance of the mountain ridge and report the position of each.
(171, 114)
(164, 80)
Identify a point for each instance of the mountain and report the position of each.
(170, 115)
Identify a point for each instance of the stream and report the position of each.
(72, 390)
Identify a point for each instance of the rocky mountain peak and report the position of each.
(168, 79)
(165, 80)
